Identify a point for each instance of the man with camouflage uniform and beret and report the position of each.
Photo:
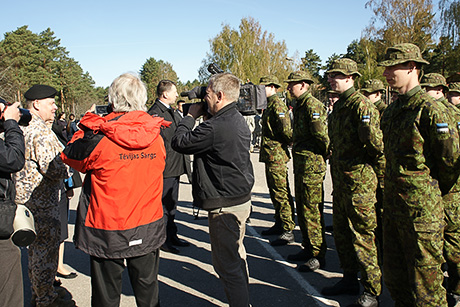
(373, 90)
(454, 94)
(274, 152)
(435, 86)
(357, 160)
(37, 186)
(310, 147)
(420, 147)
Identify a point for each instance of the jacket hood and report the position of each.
(135, 129)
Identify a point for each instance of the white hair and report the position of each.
(128, 93)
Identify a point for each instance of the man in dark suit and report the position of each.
(175, 162)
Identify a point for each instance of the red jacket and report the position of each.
(120, 212)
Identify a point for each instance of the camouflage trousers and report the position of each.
(309, 199)
(280, 194)
(412, 261)
(452, 247)
(354, 222)
(43, 253)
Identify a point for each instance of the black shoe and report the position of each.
(452, 299)
(179, 242)
(347, 285)
(274, 230)
(285, 238)
(366, 300)
(169, 248)
(312, 265)
(71, 275)
(303, 255)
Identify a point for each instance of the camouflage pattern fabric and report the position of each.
(418, 142)
(451, 202)
(311, 145)
(381, 106)
(357, 153)
(274, 152)
(37, 186)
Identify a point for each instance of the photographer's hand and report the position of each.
(196, 110)
(11, 112)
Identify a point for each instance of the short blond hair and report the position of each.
(128, 93)
(226, 83)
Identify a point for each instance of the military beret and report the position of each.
(433, 80)
(373, 85)
(40, 91)
(267, 80)
(454, 87)
(402, 53)
(300, 75)
(345, 66)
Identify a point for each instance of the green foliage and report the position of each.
(27, 58)
(153, 71)
(450, 18)
(249, 53)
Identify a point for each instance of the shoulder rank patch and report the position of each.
(442, 128)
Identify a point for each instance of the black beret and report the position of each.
(39, 91)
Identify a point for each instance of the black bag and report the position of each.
(252, 98)
(7, 214)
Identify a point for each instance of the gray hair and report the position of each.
(226, 83)
(128, 93)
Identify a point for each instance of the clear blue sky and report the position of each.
(109, 38)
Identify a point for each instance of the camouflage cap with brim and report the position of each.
(373, 85)
(402, 53)
(345, 66)
(267, 80)
(299, 76)
(433, 80)
(454, 87)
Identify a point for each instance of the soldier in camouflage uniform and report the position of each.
(435, 86)
(357, 160)
(310, 147)
(37, 186)
(373, 90)
(274, 152)
(454, 94)
(420, 147)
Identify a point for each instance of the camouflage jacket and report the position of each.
(276, 132)
(44, 170)
(380, 105)
(356, 138)
(419, 148)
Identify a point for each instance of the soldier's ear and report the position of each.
(36, 104)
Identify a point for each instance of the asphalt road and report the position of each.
(188, 279)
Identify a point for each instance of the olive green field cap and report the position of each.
(299, 76)
(373, 85)
(402, 53)
(454, 87)
(433, 80)
(345, 66)
(267, 80)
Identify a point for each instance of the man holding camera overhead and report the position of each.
(222, 179)
(12, 157)
(37, 186)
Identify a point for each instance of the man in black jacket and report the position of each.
(175, 162)
(222, 179)
(12, 159)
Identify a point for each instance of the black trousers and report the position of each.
(106, 280)
(169, 200)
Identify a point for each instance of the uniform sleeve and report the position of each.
(371, 136)
(49, 163)
(318, 127)
(282, 123)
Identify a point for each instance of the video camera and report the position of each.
(25, 115)
(252, 97)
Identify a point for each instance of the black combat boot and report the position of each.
(347, 285)
(366, 300)
(312, 265)
(285, 238)
(276, 229)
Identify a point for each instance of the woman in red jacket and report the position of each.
(120, 214)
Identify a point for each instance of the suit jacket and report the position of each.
(175, 162)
